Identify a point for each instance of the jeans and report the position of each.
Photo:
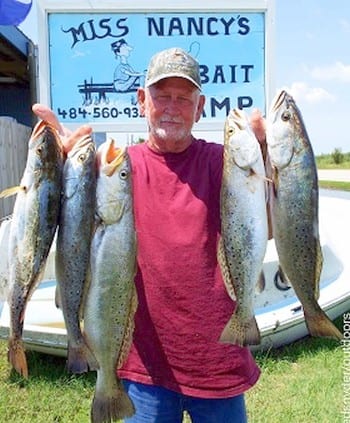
(155, 404)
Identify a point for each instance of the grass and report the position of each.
(330, 161)
(336, 160)
(301, 383)
(336, 185)
(50, 395)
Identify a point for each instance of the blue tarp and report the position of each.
(13, 12)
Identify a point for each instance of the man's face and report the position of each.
(171, 107)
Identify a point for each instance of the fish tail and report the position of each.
(320, 325)
(241, 333)
(107, 409)
(80, 359)
(261, 284)
(17, 357)
(8, 192)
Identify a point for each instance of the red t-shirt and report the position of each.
(183, 304)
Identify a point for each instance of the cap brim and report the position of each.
(171, 75)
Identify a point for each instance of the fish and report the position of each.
(73, 247)
(111, 299)
(294, 209)
(33, 226)
(5, 225)
(244, 230)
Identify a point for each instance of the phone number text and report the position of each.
(98, 113)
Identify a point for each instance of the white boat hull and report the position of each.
(279, 313)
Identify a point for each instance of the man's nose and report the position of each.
(173, 105)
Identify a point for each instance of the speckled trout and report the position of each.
(294, 209)
(111, 300)
(244, 229)
(73, 246)
(33, 225)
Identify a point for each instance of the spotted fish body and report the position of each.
(73, 246)
(294, 209)
(33, 225)
(243, 226)
(111, 300)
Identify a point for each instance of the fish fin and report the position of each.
(320, 325)
(319, 264)
(275, 184)
(226, 276)
(129, 329)
(107, 409)
(258, 175)
(86, 287)
(8, 192)
(261, 284)
(17, 357)
(80, 359)
(241, 333)
(58, 302)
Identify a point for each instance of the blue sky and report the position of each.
(311, 60)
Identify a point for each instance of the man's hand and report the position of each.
(68, 137)
(258, 125)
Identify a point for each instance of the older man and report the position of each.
(176, 362)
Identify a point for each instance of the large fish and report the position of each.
(33, 225)
(111, 299)
(294, 209)
(244, 229)
(73, 246)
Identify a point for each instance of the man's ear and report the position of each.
(141, 100)
(200, 107)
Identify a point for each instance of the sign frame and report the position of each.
(47, 7)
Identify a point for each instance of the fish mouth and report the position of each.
(84, 141)
(111, 157)
(280, 98)
(237, 116)
(41, 127)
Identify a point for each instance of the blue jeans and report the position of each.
(155, 404)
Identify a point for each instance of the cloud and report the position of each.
(304, 93)
(338, 72)
(345, 25)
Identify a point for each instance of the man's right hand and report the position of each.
(68, 137)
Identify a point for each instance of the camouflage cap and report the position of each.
(173, 62)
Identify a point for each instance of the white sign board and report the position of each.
(95, 60)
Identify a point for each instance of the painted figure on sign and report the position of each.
(126, 79)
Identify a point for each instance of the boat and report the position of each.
(278, 311)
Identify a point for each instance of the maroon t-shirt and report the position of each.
(183, 304)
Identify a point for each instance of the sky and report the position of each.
(311, 59)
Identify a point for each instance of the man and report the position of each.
(176, 362)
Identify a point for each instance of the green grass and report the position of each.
(335, 160)
(49, 395)
(327, 161)
(300, 383)
(337, 185)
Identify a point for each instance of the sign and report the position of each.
(98, 60)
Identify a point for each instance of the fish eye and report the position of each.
(123, 174)
(231, 131)
(286, 116)
(82, 157)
